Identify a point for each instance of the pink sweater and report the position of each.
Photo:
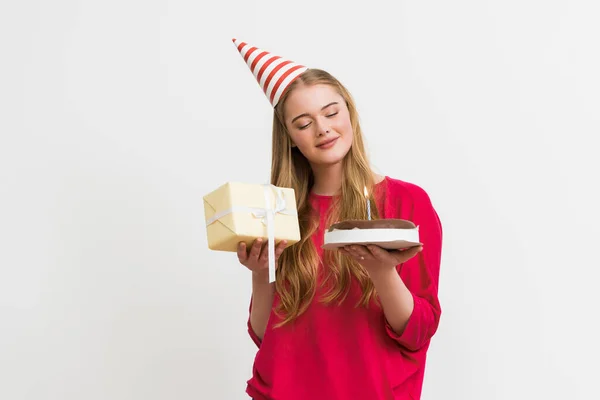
(342, 352)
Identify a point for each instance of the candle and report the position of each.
(368, 204)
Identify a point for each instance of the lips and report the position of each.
(327, 143)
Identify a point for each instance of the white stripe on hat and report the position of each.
(260, 63)
(276, 77)
(253, 56)
(268, 70)
(286, 82)
(245, 49)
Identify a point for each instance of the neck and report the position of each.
(328, 179)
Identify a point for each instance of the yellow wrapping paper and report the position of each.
(242, 212)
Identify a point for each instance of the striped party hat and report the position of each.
(273, 73)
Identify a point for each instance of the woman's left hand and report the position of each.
(376, 259)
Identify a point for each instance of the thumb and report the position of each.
(403, 255)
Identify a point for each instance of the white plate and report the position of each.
(391, 239)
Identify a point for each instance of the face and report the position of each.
(318, 122)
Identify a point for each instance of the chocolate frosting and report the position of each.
(373, 224)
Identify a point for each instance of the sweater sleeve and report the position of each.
(251, 332)
(421, 276)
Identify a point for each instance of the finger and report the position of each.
(405, 255)
(264, 252)
(361, 252)
(378, 253)
(344, 251)
(352, 254)
(415, 250)
(255, 251)
(280, 247)
(356, 252)
(350, 251)
(241, 252)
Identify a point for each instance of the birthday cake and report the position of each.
(391, 234)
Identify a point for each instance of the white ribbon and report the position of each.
(267, 216)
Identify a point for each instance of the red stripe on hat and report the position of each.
(240, 46)
(281, 79)
(257, 59)
(248, 53)
(277, 68)
(262, 69)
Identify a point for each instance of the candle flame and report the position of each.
(366, 192)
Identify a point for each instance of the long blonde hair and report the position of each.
(299, 263)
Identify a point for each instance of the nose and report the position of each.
(322, 128)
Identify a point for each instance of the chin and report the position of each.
(331, 159)
(327, 163)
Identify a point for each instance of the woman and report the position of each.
(354, 323)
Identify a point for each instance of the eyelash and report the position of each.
(328, 116)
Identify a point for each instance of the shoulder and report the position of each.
(407, 191)
(414, 203)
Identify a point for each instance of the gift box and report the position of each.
(242, 212)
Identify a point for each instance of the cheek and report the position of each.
(344, 123)
(301, 141)
(346, 128)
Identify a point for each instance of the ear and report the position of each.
(293, 144)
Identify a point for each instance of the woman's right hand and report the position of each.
(256, 258)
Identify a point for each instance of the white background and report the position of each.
(116, 117)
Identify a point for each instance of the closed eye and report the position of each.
(328, 116)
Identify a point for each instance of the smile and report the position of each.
(328, 144)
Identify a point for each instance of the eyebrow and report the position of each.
(322, 108)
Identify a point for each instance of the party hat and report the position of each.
(273, 73)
